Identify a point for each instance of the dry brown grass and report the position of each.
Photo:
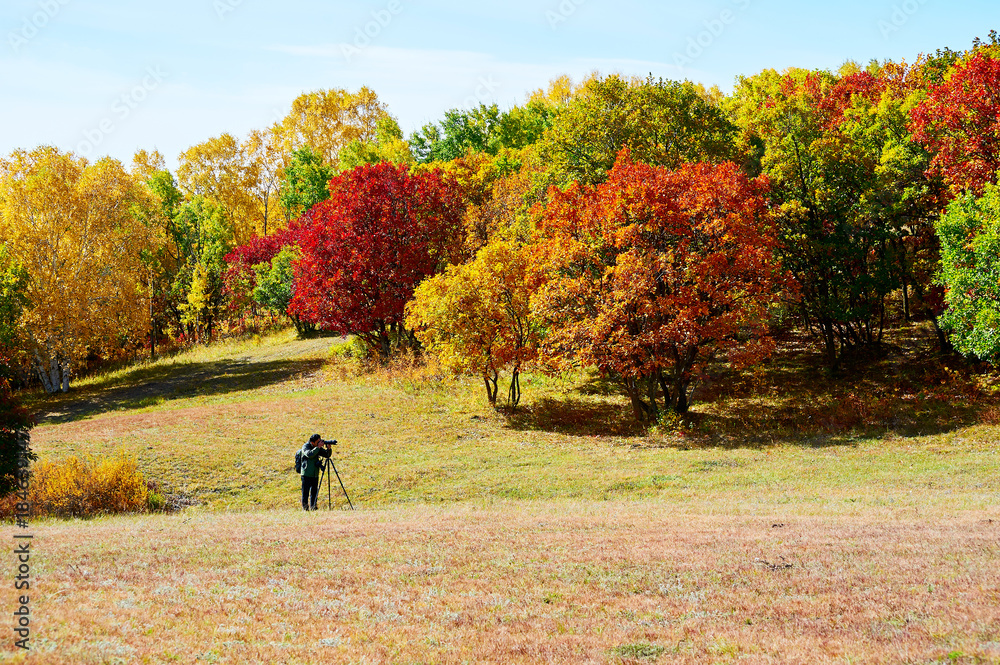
(797, 518)
(560, 582)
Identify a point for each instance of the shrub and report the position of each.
(78, 487)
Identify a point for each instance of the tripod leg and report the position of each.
(341, 485)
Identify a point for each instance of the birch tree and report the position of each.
(328, 120)
(77, 230)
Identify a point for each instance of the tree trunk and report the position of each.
(682, 380)
(43, 376)
(383, 342)
(514, 394)
(906, 300)
(682, 401)
(904, 275)
(944, 344)
(633, 389)
(668, 400)
(830, 341)
(54, 378)
(652, 388)
(491, 388)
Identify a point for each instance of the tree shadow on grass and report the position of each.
(584, 417)
(575, 416)
(149, 387)
(836, 421)
(902, 390)
(729, 432)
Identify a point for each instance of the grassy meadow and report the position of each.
(793, 518)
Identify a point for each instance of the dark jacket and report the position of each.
(311, 459)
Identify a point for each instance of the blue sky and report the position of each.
(110, 76)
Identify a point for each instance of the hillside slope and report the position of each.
(219, 426)
(554, 534)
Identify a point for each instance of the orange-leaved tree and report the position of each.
(652, 273)
(477, 318)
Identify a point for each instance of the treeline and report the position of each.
(642, 227)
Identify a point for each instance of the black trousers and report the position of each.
(310, 488)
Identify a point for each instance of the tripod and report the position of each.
(323, 471)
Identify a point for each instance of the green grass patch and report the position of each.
(219, 426)
(638, 651)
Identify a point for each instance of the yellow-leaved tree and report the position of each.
(388, 146)
(266, 168)
(79, 230)
(198, 299)
(222, 171)
(477, 318)
(328, 120)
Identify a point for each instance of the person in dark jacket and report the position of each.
(312, 465)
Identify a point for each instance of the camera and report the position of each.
(329, 443)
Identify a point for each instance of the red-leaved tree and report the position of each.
(959, 121)
(652, 273)
(365, 250)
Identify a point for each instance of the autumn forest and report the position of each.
(640, 228)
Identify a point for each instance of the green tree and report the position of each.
(523, 126)
(663, 123)
(306, 182)
(203, 236)
(275, 280)
(194, 312)
(15, 422)
(483, 129)
(970, 264)
(849, 185)
(903, 197)
(13, 296)
(388, 146)
(460, 132)
(14, 419)
(164, 258)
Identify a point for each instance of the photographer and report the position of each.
(312, 465)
